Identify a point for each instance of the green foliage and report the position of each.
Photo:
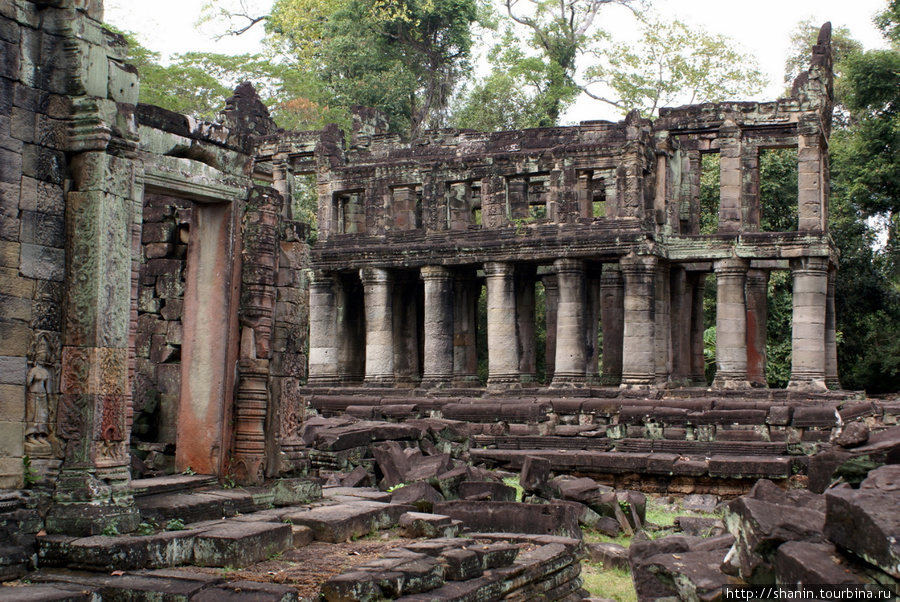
(147, 528)
(29, 476)
(710, 177)
(779, 329)
(675, 64)
(401, 56)
(110, 531)
(778, 190)
(175, 524)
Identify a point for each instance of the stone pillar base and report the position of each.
(833, 385)
(436, 381)
(807, 384)
(731, 381)
(379, 380)
(86, 505)
(467, 381)
(562, 380)
(324, 381)
(510, 380)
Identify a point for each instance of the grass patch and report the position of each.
(609, 583)
(514, 483)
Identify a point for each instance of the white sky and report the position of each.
(761, 27)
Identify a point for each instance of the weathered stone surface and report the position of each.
(346, 521)
(866, 523)
(608, 555)
(420, 524)
(804, 563)
(535, 474)
(487, 491)
(162, 550)
(766, 518)
(700, 502)
(608, 526)
(293, 492)
(460, 565)
(240, 544)
(700, 527)
(352, 587)
(853, 434)
(421, 495)
(512, 517)
(247, 591)
(885, 478)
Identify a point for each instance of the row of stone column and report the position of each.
(651, 314)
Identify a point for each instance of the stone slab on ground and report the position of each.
(421, 495)
(363, 493)
(146, 585)
(240, 544)
(188, 507)
(343, 522)
(609, 555)
(866, 523)
(487, 491)
(699, 526)
(49, 593)
(514, 517)
(804, 563)
(693, 575)
(175, 483)
(421, 524)
(166, 549)
(292, 492)
(247, 591)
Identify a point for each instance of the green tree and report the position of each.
(560, 30)
(673, 63)
(401, 56)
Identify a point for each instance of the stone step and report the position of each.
(176, 483)
(240, 544)
(210, 504)
(596, 462)
(345, 521)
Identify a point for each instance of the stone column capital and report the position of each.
(436, 272)
(375, 276)
(809, 265)
(498, 269)
(638, 264)
(757, 277)
(735, 266)
(567, 265)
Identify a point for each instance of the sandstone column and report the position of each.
(592, 327)
(465, 325)
(810, 309)
(525, 303)
(612, 320)
(551, 301)
(503, 360)
(757, 315)
(831, 363)
(377, 290)
(571, 354)
(730, 179)
(438, 368)
(323, 331)
(639, 338)
(731, 324)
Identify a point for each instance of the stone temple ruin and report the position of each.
(165, 326)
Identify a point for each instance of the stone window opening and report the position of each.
(778, 189)
(537, 194)
(350, 212)
(710, 192)
(475, 203)
(406, 207)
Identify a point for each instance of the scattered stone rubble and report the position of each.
(787, 537)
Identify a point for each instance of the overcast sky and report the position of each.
(761, 28)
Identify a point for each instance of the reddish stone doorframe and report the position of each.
(210, 344)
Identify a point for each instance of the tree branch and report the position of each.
(241, 30)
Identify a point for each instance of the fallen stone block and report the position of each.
(358, 477)
(764, 519)
(535, 474)
(496, 555)
(128, 552)
(241, 544)
(700, 502)
(49, 593)
(486, 491)
(886, 478)
(805, 563)
(449, 482)
(513, 517)
(608, 555)
(420, 524)
(247, 591)
(865, 523)
(608, 526)
(344, 522)
(853, 434)
(634, 506)
(364, 433)
(641, 555)
(392, 461)
(693, 575)
(428, 467)
(293, 492)
(301, 536)
(697, 526)
(421, 495)
(360, 493)
(352, 587)
(460, 565)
